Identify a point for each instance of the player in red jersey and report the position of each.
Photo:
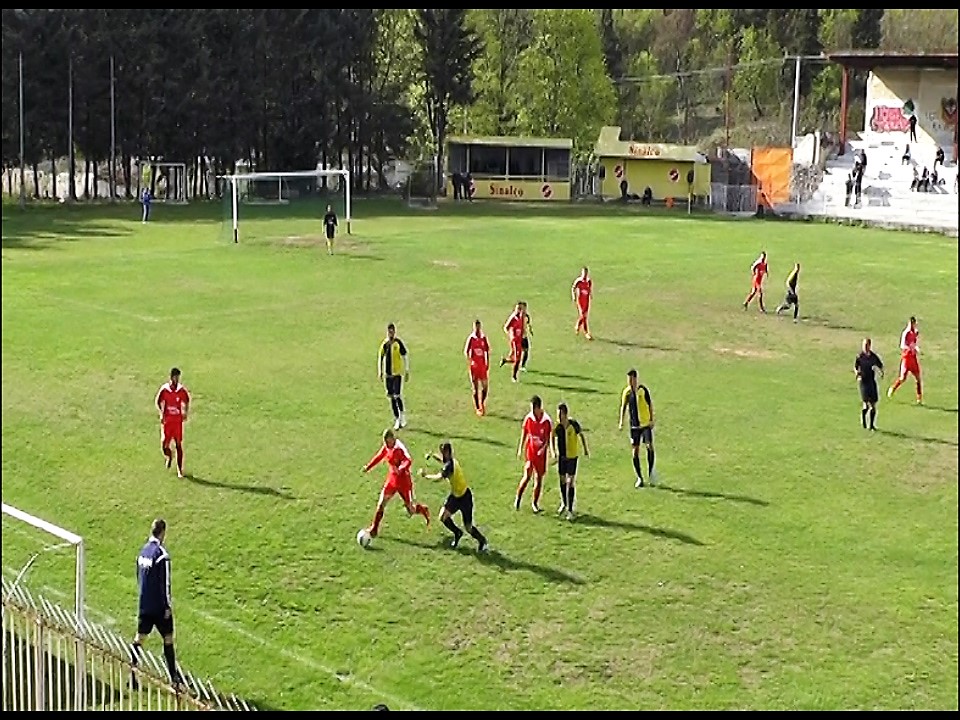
(758, 272)
(909, 359)
(582, 292)
(477, 350)
(399, 480)
(514, 327)
(173, 402)
(535, 437)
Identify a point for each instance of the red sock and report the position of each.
(180, 458)
(377, 518)
(537, 489)
(423, 510)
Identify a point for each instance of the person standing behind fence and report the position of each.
(155, 604)
(145, 200)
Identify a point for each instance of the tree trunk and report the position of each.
(36, 180)
(53, 178)
(125, 161)
(96, 183)
(86, 178)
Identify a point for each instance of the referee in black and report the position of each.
(155, 605)
(865, 367)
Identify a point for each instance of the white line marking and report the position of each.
(101, 308)
(303, 659)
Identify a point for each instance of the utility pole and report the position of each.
(23, 175)
(113, 136)
(72, 180)
(796, 104)
(726, 112)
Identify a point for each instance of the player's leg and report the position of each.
(405, 490)
(651, 455)
(475, 382)
(916, 376)
(562, 476)
(525, 344)
(571, 494)
(517, 355)
(540, 469)
(165, 439)
(144, 628)
(873, 413)
(178, 439)
(586, 327)
(388, 491)
(391, 388)
(749, 299)
(635, 449)
(524, 481)
(760, 299)
(402, 416)
(165, 627)
(864, 408)
(446, 519)
(466, 512)
(484, 384)
(901, 378)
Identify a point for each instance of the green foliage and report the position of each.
(562, 79)
(757, 79)
(920, 30)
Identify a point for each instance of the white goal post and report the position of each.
(280, 178)
(68, 538)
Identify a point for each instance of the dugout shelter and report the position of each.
(663, 168)
(508, 168)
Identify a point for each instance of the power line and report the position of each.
(720, 69)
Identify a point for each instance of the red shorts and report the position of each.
(516, 347)
(584, 308)
(398, 484)
(538, 463)
(479, 373)
(172, 430)
(758, 283)
(909, 364)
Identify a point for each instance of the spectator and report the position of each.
(905, 160)
(938, 158)
(913, 127)
(858, 187)
(924, 183)
(849, 186)
(863, 161)
(915, 183)
(647, 198)
(145, 199)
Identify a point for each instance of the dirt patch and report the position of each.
(445, 263)
(750, 353)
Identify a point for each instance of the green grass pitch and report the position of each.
(790, 560)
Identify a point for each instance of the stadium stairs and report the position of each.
(886, 199)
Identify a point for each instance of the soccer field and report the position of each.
(789, 558)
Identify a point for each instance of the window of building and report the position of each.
(558, 164)
(488, 160)
(526, 162)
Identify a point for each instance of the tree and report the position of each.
(505, 34)
(565, 89)
(449, 49)
(920, 31)
(757, 79)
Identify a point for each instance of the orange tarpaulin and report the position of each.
(772, 168)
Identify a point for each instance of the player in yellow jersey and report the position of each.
(393, 367)
(636, 400)
(460, 499)
(568, 439)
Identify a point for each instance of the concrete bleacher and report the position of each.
(887, 199)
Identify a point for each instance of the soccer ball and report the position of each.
(364, 537)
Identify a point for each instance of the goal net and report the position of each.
(44, 558)
(285, 206)
(167, 181)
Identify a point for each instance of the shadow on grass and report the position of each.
(358, 256)
(497, 558)
(919, 438)
(455, 436)
(827, 323)
(667, 533)
(563, 376)
(714, 495)
(566, 388)
(252, 489)
(633, 344)
(940, 408)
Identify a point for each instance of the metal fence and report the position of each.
(734, 199)
(54, 661)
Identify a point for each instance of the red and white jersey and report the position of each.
(515, 325)
(477, 350)
(759, 267)
(397, 457)
(583, 287)
(172, 401)
(538, 433)
(908, 342)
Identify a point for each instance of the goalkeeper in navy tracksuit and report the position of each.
(155, 606)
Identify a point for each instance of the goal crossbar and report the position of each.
(68, 537)
(318, 173)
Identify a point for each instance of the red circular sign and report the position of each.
(674, 175)
(546, 191)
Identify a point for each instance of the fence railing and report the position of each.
(54, 661)
(736, 199)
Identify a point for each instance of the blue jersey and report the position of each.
(146, 197)
(153, 578)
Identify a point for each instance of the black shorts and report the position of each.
(567, 466)
(869, 392)
(462, 505)
(525, 343)
(147, 622)
(642, 435)
(330, 231)
(791, 298)
(393, 384)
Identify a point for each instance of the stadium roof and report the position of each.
(609, 145)
(870, 59)
(508, 141)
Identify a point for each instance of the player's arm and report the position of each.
(442, 474)
(523, 440)
(879, 364)
(406, 359)
(856, 368)
(573, 291)
(623, 409)
(406, 463)
(433, 456)
(380, 356)
(376, 459)
(529, 325)
(159, 402)
(583, 439)
(466, 350)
